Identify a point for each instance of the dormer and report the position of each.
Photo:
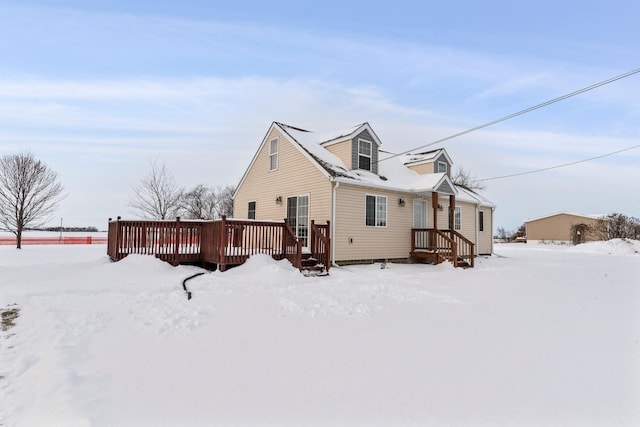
(358, 149)
(436, 161)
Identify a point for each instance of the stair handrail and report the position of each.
(290, 237)
(467, 251)
(452, 247)
(321, 243)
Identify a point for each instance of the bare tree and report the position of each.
(617, 226)
(463, 178)
(29, 193)
(200, 203)
(157, 196)
(503, 234)
(224, 197)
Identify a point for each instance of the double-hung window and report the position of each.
(376, 211)
(251, 214)
(457, 225)
(364, 155)
(273, 154)
(442, 167)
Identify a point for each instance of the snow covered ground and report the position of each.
(536, 335)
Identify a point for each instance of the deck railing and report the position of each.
(223, 242)
(173, 241)
(443, 244)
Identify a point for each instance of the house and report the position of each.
(379, 206)
(565, 227)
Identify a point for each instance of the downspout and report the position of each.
(476, 228)
(336, 184)
(492, 209)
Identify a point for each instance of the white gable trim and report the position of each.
(292, 141)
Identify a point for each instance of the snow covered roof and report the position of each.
(426, 157)
(393, 172)
(566, 213)
(471, 196)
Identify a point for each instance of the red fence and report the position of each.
(76, 240)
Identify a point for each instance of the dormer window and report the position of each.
(442, 167)
(364, 155)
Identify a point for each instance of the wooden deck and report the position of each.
(224, 242)
(442, 245)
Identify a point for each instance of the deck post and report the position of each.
(118, 237)
(452, 210)
(312, 237)
(222, 243)
(284, 238)
(176, 241)
(434, 205)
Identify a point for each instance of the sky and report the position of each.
(99, 90)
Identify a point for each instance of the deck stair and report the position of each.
(312, 267)
(438, 246)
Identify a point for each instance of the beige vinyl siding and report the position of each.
(295, 176)
(423, 168)
(557, 227)
(356, 241)
(343, 151)
(485, 238)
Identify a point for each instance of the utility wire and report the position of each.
(521, 112)
(557, 166)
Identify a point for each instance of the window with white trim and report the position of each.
(457, 223)
(273, 154)
(480, 220)
(364, 155)
(442, 167)
(376, 211)
(251, 211)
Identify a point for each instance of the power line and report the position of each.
(557, 166)
(519, 113)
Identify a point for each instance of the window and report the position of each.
(376, 211)
(442, 167)
(364, 155)
(273, 154)
(456, 218)
(480, 220)
(298, 216)
(251, 214)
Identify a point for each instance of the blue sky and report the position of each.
(100, 89)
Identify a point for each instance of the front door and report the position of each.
(298, 217)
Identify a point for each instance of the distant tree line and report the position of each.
(158, 196)
(65, 229)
